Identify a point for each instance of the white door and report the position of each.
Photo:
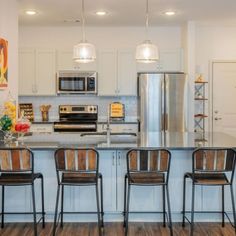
(224, 97)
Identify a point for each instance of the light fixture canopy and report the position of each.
(84, 52)
(147, 52)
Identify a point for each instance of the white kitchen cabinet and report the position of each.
(127, 76)
(37, 72)
(45, 72)
(27, 79)
(169, 60)
(107, 73)
(65, 62)
(117, 73)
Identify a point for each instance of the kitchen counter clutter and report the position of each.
(112, 165)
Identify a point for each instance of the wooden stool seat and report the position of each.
(147, 167)
(18, 179)
(208, 178)
(147, 178)
(17, 169)
(79, 178)
(211, 167)
(78, 167)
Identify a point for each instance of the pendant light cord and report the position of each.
(83, 22)
(147, 20)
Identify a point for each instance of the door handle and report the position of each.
(217, 118)
(119, 158)
(113, 158)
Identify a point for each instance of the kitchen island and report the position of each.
(113, 168)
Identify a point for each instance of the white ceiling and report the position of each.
(127, 12)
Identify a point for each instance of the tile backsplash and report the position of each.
(100, 101)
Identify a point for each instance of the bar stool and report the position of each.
(17, 169)
(148, 167)
(78, 167)
(209, 168)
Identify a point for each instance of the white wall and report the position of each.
(102, 37)
(9, 31)
(214, 43)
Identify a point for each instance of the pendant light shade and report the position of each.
(84, 52)
(147, 52)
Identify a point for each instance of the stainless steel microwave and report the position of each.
(76, 82)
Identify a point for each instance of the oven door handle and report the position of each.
(73, 126)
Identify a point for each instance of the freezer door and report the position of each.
(151, 87)
(175, 102)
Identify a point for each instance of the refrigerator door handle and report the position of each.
(163, 105)
(166, 121)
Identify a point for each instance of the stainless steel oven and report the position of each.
(77, 118)
(76, 82)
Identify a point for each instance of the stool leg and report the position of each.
(192, 210)
(102, 210)
(127, 211)
(98, 211)
(223, 206)
(62, 204)
(56, 210)
(164, 205)
(3, 198)
(34, 210)
(169, 210)
(42, 197)
(233, 206)
(184, 199)
(125, 198)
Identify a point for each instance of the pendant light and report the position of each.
(147, 52)
(84, 52)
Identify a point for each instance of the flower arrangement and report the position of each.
(8, 119)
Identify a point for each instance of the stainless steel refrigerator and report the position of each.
(162, 99)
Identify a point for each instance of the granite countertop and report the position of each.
(170, 140)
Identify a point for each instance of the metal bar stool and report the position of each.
(209, 168)
(148, 167)
(78, 167)
(17, 169)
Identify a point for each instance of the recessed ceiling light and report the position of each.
(170, 13)
(30, 12)
(101, 13)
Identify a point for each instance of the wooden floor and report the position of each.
(116, 229)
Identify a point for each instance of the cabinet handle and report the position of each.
(119, 156)
(113, 158)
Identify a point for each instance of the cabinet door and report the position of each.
(46, 71)
(65, 62)
(107, 73)
(171, 60)
(142, 198)
(127, 76)
(27, 83)
(84, 198)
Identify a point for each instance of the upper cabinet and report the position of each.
(117, 73)
(65, 62)
(170, 60)
(37, 72)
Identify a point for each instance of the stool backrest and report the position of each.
(16, 160)
(148, 160)
(77, 160)
(214, 160)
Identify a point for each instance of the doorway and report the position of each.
(223, 97)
